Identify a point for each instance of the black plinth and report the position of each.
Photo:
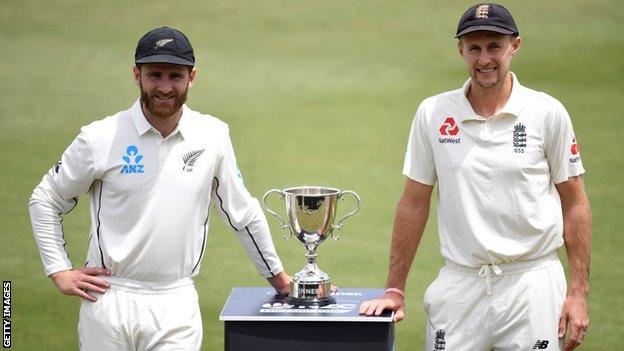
(257, 319)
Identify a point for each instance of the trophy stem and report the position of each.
(311, 286)
(311, 259)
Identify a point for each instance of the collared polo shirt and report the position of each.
(497, 201)
(150, 198)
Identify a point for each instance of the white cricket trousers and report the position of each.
(134, 315)
(504, 307)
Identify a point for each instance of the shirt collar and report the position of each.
(512, 107)
(183, 124)
(514, 103)
(138, 118)
(143, 126)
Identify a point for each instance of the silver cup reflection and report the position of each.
(311, 211)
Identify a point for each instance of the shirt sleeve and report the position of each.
(57, 194)
(243, 213)
(561, 147)
(419, 162)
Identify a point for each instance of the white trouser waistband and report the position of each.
(503, 268)
(147, 287)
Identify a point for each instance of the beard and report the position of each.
(498, 80)
(489, 84)
(151, 103)
(485, 85)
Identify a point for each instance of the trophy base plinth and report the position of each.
(310, 293)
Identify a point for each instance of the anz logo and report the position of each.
(132, 160)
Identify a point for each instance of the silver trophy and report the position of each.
(311, 212)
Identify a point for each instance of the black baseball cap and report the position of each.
(165, 45)
(489, 17)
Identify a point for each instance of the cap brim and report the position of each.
(485, 28)
(163, 58)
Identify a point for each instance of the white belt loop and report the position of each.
(485, 272)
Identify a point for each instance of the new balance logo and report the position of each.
(132, 160)
(540, 345)
(190, 158)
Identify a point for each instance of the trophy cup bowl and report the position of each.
(311, 211)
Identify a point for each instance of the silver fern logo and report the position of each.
(190, 158)
(162, 42)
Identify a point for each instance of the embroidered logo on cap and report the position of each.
(162, 42)
(482, 11)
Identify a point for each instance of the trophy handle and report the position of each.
(357, 208)
(283, 224)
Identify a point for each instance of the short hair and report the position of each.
(139, 65)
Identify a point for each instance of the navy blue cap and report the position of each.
(489, 17)
(165, 45)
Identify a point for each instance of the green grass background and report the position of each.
(315, 92)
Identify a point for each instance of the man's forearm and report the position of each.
(576, 233)
(48, 232)
(409, 224)
(577, 238)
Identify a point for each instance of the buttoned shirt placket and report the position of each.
(165, 145)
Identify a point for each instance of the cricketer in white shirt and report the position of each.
(152, 172)
(499, 214)
(150, 198)
(497, 197)
(150, 201)
(510, 194)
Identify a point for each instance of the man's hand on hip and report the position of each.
(78, 281)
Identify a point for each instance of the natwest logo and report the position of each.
(449, 127)
(574, 149)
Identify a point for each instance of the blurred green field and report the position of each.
(319, 92)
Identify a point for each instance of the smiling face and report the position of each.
(488, 56)
(163, 87)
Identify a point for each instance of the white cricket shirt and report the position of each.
(497, 201)
(150, 198)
